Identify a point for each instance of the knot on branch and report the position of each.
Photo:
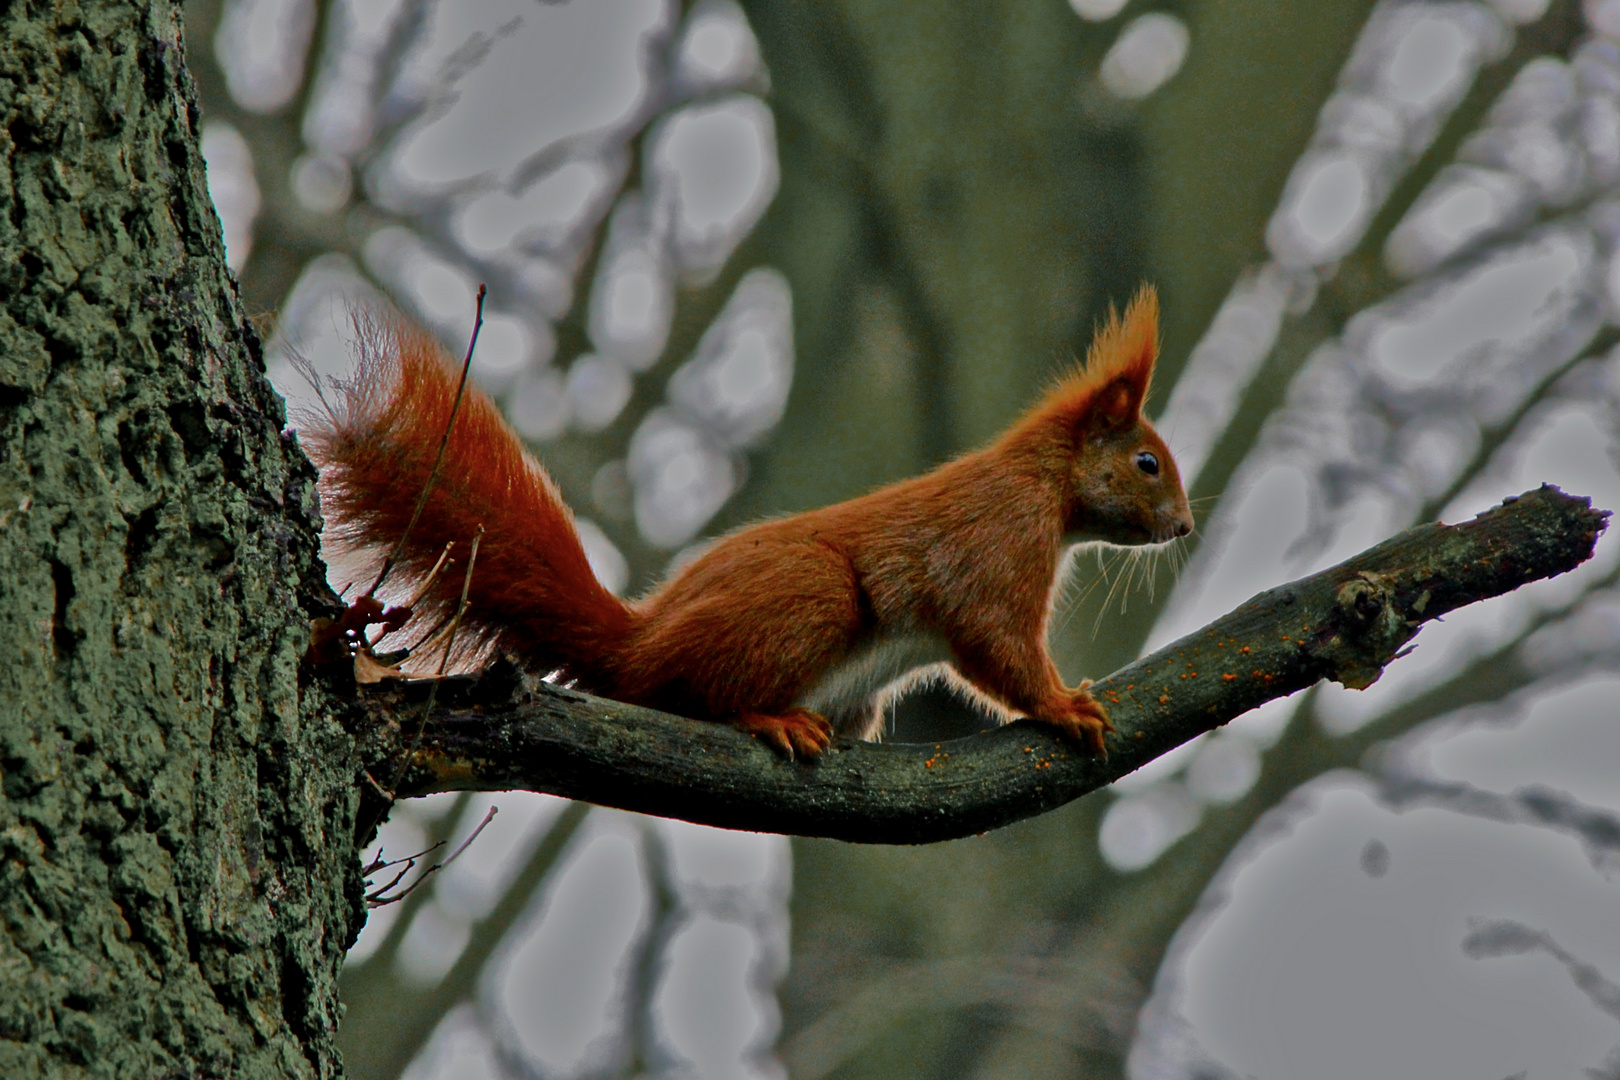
(1367, 630)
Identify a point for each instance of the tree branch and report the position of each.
(506, 730)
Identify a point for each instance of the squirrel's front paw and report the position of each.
(796, 733)
(1084, 720)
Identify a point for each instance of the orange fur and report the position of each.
(790, 629)
(533, 592)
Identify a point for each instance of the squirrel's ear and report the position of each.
(1116, 405)
(1121, 360)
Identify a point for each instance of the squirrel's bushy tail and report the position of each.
(532, 591)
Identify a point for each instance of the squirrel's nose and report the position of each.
(1183, 527)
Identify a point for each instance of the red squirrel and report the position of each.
(794, 629)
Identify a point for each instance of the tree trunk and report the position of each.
(177, 881)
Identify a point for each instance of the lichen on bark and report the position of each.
(176, 815)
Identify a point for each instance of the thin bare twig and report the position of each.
(444, 443)
(389, 795)
(380, 898)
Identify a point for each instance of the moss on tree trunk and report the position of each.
(176, 817)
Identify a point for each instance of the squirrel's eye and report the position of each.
(1148, 463)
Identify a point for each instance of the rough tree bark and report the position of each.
(178, 799)
(177, 881)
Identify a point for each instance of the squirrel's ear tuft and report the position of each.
(1108, 391)
(1120, 362)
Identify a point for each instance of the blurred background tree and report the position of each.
(747, 260)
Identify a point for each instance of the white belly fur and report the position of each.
(854, 693)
